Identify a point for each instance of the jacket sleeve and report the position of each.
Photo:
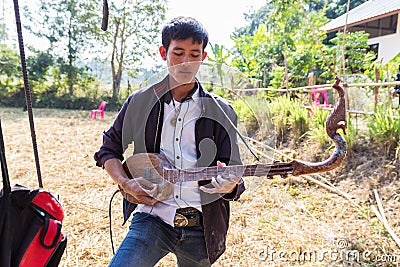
(230, 144)
(112, 146)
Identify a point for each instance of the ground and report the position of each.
(277, 222)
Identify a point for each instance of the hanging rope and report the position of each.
(27, 91)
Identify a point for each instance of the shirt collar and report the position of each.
(193, 94)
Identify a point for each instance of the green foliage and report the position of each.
(219, 91)
(285, 33)
(318, 129)
(278, 120)
(277, 77)
(62, 23)
(284, 37)
(337, 8)
(132, 36)
(3, 34)
(219, 57)
(280, 109)
(39, 65)
(219, 54)
(351, 136)
(72, 32)
(48, 83)
(289, 116)
(255, 114)
(355, 51)
(252, 54)
(298, 120)
(385, 128)
(9, 63)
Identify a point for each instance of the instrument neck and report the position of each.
(206, 173)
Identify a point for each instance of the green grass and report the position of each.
(385, 128)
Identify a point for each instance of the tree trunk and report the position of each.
(70, 73)
(116, 84)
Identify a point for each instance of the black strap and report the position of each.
(109, 216)
(4, 171)
(235, 128)
(27, 91)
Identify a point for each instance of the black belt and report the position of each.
(188, 217)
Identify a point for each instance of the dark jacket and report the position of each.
(140, 121)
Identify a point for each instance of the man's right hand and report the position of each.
(140, 191)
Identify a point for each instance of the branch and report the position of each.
(318, 42)
(381, 216)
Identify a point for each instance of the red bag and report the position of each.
(34, 229)
(30, 224)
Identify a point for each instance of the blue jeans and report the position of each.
(149, 239)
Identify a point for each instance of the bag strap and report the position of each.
(27, 91)
(4, 171)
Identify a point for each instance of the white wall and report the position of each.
(389, 45)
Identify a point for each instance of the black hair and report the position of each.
(182, 28)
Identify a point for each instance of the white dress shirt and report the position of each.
(179, 146)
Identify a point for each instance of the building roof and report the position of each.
(371, 10)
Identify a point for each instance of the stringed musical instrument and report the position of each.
(157, 169)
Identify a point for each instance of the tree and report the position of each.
(38, 65)
(64, 24)
(255, 19)
(285, 40)
(337, 8)
(131, 36)
(9, 63)
(219, 59)
(3, 35)
(253, 54)
(262, 15)
(356, 53)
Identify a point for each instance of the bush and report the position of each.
(318, 130)
(289, 117)
(298, 120)
(280, 108)
(385, 128)
(351, 135)
(255, 114)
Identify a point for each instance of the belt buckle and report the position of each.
(180, 220)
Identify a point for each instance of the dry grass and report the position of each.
(282, 215)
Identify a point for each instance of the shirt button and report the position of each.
(176, 196)
(179, 119)
(177, 139)
(178, 157)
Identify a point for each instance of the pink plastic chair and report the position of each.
(316, 96)
(100, 110)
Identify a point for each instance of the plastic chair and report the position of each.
(100, 110)
(316, 96)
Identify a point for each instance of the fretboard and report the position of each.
(198, 174)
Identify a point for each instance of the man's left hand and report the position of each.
(222, 185)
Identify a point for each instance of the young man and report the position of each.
(178, 119)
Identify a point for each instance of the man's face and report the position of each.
(183, 59)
